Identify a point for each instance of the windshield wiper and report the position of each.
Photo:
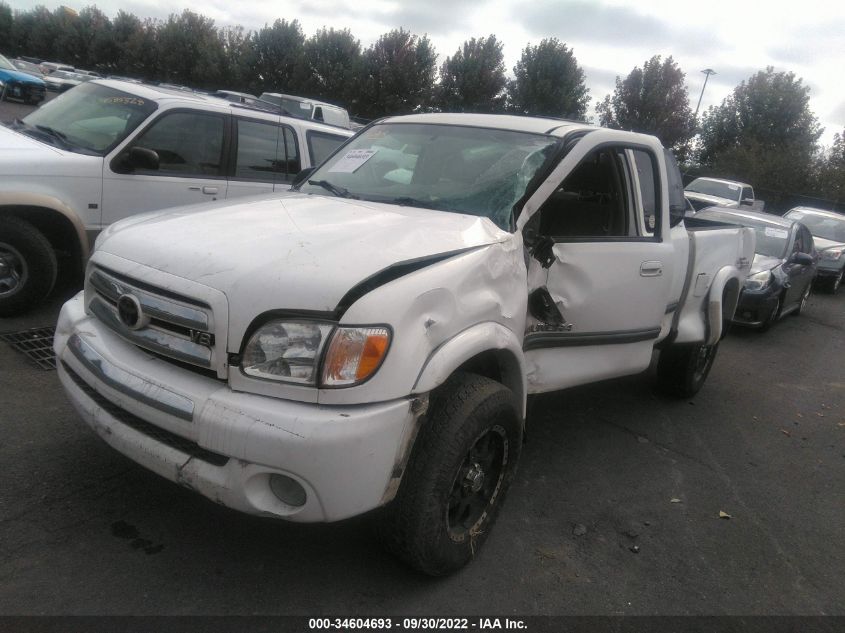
(407, 201)
(54, 134)
(336, 190)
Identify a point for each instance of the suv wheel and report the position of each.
(27, 266)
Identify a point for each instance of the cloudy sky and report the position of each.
(736, 38)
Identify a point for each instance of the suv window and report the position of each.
(260, 146)
(187, 143)
(292, 163)
(321, 145)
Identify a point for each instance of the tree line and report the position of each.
(764, 132)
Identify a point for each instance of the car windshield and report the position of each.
(90, 119)
(475, 171)
(772, 239)
(822, 226)
(714, 188)
(5, 64)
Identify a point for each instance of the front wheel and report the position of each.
(802, 305)
(682, 369)
(462, 464)
(834, 283)
(27, 266)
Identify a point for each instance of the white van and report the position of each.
(309, 109)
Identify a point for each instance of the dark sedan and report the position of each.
(783, 270)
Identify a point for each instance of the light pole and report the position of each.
(707, 72)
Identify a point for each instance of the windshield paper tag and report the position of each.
(781, 233)
(352, 160)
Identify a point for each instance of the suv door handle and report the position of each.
(210, 190)
(651, 269)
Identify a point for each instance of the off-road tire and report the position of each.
(37, 262)
(418, 525)
(683, 369)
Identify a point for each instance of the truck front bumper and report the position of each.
(260, 455)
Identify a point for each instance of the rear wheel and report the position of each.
(462, 464)
(27, 266)
(682, 369)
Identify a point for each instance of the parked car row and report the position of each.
(18, 85)
(803, 249)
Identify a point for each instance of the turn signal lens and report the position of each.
(354, 355)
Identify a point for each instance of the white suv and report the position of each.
(110, 149)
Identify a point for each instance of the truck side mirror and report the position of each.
(801, 259)
(302, 176)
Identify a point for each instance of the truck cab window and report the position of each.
(646, 177)
(593, 201)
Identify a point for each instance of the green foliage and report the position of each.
(399, 71)
(5, 23)
(333, 60)
(653, 100)
(549, 82)
(829, 176)
(764, 133)
(473, 80)
(276, 59)
(190, 50)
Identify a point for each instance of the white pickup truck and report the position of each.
(106, 150)
(708, 192)
(370, 339)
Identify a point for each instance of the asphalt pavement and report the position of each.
(615, 509)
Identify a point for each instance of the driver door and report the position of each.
(191, 146)
(600, 278)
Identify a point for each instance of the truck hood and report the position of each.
(764, 262)
(292, 251)
(713, 200)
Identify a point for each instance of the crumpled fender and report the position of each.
(471, 342)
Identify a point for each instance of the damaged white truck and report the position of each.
(369, 340)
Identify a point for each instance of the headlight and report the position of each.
(758, 281)
(292, 351)
(832, 253)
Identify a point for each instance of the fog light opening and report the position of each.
(287, 490)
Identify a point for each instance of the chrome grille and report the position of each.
(173, 326)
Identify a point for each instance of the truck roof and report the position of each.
(515, 123)
(822, 212)
(723, 180)
(768, 218)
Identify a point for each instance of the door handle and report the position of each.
(651, 269)
(210, 190)
(194, 188)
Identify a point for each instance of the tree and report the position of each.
(334, 62)
(6, 24)
(652, 100)
(830, 170)
(399, 72)
(764, 133)
(549, 82)
(190, 50)
(276, 60)
(473, 80)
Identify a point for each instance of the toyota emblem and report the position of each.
(130, 313)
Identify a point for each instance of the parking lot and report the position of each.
(615, 510)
